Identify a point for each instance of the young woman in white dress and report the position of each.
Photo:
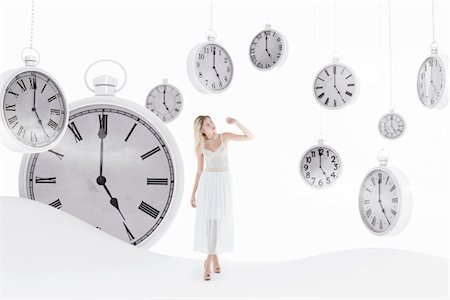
(212, 190)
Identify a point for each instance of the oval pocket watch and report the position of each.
(268, 49)
(117, 168)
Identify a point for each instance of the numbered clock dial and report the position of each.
(320, 166)
(379, 201)
(391, 126)
(335, 86)
(34, 109)
(112, 169)
(214, 68)
(165, 101)
(431, 81)
(266, 49)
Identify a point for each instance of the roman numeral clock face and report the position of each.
(213, 67)
(34, 109)
(112, 169)
(335, 86)
(379, 201)
(431, 81)
(165, 101)
(266, 49)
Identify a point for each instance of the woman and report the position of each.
(214, 223)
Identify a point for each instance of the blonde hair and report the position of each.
(199, 136)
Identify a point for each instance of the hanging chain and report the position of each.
(433, 21)
(211, 15)
(390, 53)
(335, 26)
(32, 25)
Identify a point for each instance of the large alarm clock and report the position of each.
(385, 200)
(335, 85)
(118, 168)
(320, 166)
(268, 49)
(33, 109)
(431, 81)
(210, 67)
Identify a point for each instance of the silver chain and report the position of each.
(390, 53)
(335, 26)
(433, 21)
(32, 25)
(211, 15)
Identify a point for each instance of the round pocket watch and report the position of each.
(385, 200)
(117, 168)
(165, 101)
(431, 80)
(320, 166)
(392, 125)
(34, 108)
(335, 85)
(268, 49)
(209, 66)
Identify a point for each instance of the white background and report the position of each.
(277, 216)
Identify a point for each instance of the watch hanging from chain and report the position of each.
(336, 84)
(33, 113)
(209, 65)
(391, 125)
(432, 76)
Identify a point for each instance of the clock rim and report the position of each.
(442, 101)
(341, 168)
(404, 203)
(8, 138)
(283, 56)
(165, 134)
(193, 75)
(181, 97)
(392, 138)
(354, 96)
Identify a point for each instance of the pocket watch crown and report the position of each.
(31, 60)
(105, 85)
(383, 157)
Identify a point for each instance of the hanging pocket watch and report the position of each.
(209, 66)
(165, 101)
(268, 49)
(118, 168)
(385, 200)
(34, 108)
(320, 165)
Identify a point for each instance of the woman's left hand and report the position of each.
(231, 120)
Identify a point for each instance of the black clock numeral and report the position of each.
(381, 225)
(313, 153)
(392, 188)
(54, 111)
(52, 98)
(59, 155)
(33, 85)
(22, 85)
(75, 132)
(394, 200)
(308, 159)
(150, 153)
(33, 136)
(366, 201)
(12, 93)
(326, 101)
(45, 180)
(52, 124)
(21, 132)
(43, 88)
(131, 131)
(148, 209)
(56, 204)
(373, 180)
(393, 212)
(326, 71)
(130, 235)
(103, 123)
(321, 95)
(351, 84)
(157, 181)
(348, 93)
(374, 220)
(13, 120)
(11, 107)
(387, 179)
(368, 212)
(348, 76)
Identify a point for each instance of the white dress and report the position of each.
(214, 219)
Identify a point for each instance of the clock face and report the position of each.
(335, 86)
(266, 49)
(379, 201)
(213, 67)
(431, 81)
(34, 109)
(165, 101)
(391, 126)
(320, 166)
(112, 169)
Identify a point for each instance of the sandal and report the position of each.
(207, 273)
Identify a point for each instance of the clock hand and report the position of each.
(35, 111)
(379, 198)
(164, 98)
(101, 135)
(320, 165)
(268, 50)
(214, 63)
(101, 180)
